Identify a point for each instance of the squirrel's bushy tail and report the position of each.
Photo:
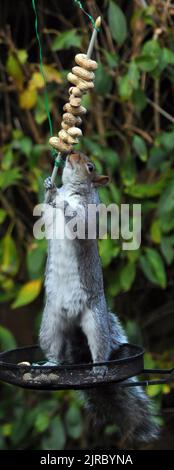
(127, 407)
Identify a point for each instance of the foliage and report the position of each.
(128, 136)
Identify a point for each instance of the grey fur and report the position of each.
(76, 324)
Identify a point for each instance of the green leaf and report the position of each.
(157, 156)
(10, 259)
(139, 99)
(146, 63)
(139, 146)
(36, 259)
(26, 146)
(9, 177)
(103, 81)
(27, 293)
(134, 75)
(22, 55)
(56, 438)
(125, 87)
(146, 190)
(112, 58)
(3, 215)
(110, 157)
(117, 23)
(7, 160)
(166, 139)
(66, 40)
(127, 276)
(154, 267)
(155, 231)
(147, 270)
(42, 422)
(128, 171)
(167, 58)
(73, 421)
(7, 340)
(167, 249)
(166, 202)
(15, 70)
(115, 192)
(108, 250)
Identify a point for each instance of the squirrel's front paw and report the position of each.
(48, 184)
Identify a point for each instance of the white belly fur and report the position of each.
(63, 281)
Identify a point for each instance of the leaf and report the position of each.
(66, 40)
(167, 58)
(166, 139)
(42, 422)
(73, 420)
(36, 259)
(128, 171)
(56, 438)
(14, 70)
(7, 340)
(166, 202)
(117, 23)
(146, 269)
(167, 249)
(26, 146)
(112, 58)
(52, 75)
(155, 231)
(3, 215)
(103, 81)
(28, 97)
(146, 190)
(139, 99)
(22, 55)
(147, 63)
(157, 156)
(110, 157)
(115, 192)
(9, 177)
(37, 81)
(7, 160)
(127, 276)
(153, 267)
(27, 293)
(125, 87)
(108, 250)
(10, 258)
(140, 147)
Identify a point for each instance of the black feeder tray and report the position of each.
(126, 362)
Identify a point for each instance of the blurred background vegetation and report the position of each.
(129, 133)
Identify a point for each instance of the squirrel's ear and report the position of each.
(100, 180)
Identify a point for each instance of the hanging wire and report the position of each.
(53, 152)
(77, 2)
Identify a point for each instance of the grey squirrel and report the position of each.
(76, 325)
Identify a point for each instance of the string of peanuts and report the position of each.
(82, 77)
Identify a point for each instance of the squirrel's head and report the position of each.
(79, 170)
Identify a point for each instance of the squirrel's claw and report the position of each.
(48, 185)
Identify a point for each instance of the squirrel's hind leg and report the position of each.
(52, 336)
(98, 339)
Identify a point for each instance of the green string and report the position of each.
(53, 152)
(86, 13)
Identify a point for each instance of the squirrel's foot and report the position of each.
(100, 371)
(48, 184)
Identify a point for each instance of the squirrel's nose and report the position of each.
(74, 157)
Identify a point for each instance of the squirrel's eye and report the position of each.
(90, 167)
